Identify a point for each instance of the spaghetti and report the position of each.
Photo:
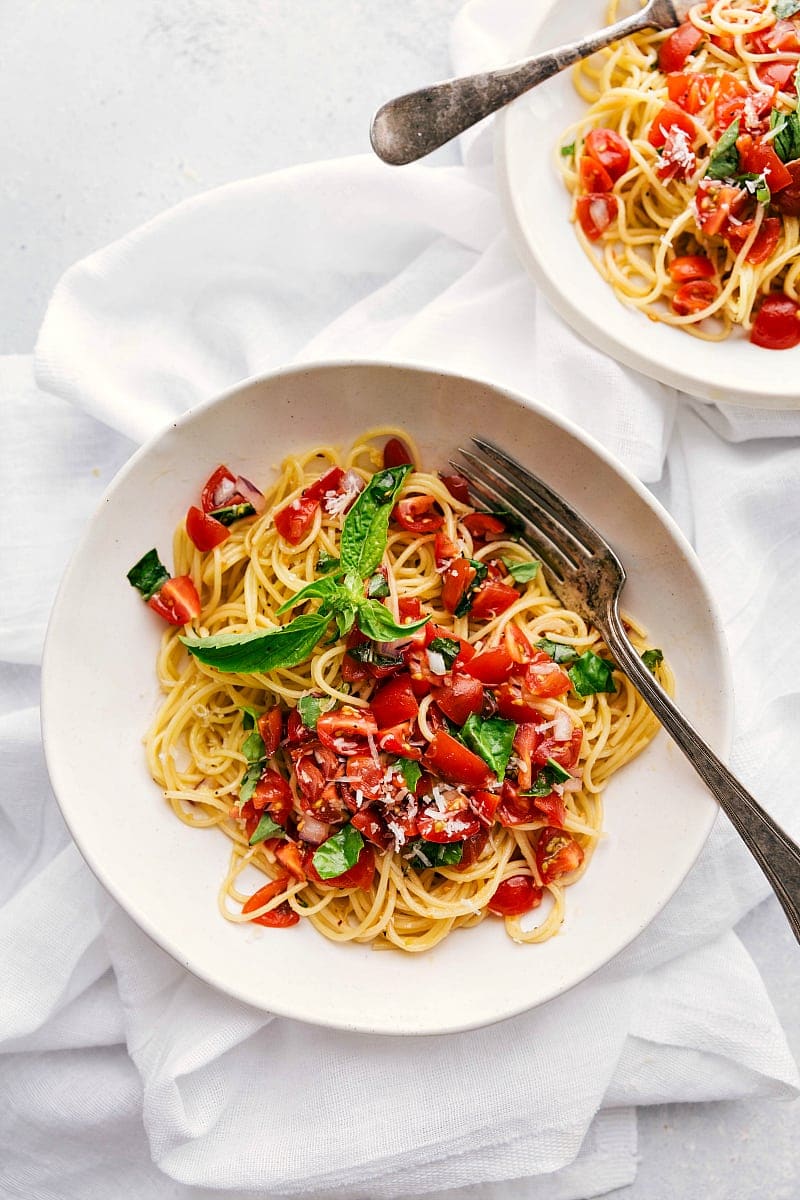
(423, 742)
(686, 171)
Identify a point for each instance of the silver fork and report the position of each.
(417, 123)
(587, 576)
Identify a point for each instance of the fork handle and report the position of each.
(772, 848)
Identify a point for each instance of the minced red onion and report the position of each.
(562, 726)
(250, 492)
(571, 785)
(436, 662)
(313, 831)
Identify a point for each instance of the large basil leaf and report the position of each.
(263, 650)
(376, 622)
(320, 589)
(148, 575)
(590, 674)
(558, 651)
(492, 739)
(339, 853)
(366, 525)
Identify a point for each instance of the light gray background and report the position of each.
(114, 110)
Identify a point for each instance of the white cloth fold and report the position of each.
(352, 259)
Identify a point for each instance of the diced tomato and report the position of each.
(394, 702)
(467, 651)
(513, 705)
(296, 731)
(273, 792)
(691, 91)
(409, 608)
(552, 808)
(715, 203)
(396, 454)
(219, 490)
(440, 827)
(295, 520)
(777, 323)
(456, 581)
(484, 527)
(608, 149)
(543, 677)
(472, 848)
(565, 753)
(359, 876)
(345, 729)
(418, 514)
(277, 918)
(206, 532)
(422, 677)
(557, 854)
(671, 116)
(491, 599)
(730, 98)
(250, 817)
(515, 896)
(517, 643)
(765, 240)
(694, 297)
(782, 37)
(457, 486)
(177, 601)
(288, 855)
(691, 266)
(397, 740)
(270, 728)
(516, 809)
(788, 199)
(369, 822)
(444, 550)
(724, 42)
(491, 666)
(460, 697)
(593, 177)
(447, 757)
(776, 74)
(484, 805)
(405, 817)
(365, 775)
(526, 739)
(675, 49)
(759, 158)
(331, 481)
(595, 213)
(354, 671)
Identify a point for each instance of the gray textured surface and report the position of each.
(115, 109)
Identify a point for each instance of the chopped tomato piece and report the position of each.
(331, 481)
(444, 550)
(273, 792)
(457, 486)
(294, 521)
(346, 729)
(693, 297)
(783, 37)
(765, 240)
(484, 805)
(270, 728)
(788, 199)
(491, 666)
(397, 740)
(674, 51)
(206, 532)
(759, 158)
(456, 581)
(553, 809)
(516, 809)
(777, 324)
(394, 702)
(277, 918)
(691, 91)
(409, 608)
(288, 855)
(543, 677)
(447, 757)
(776, 74)
(467, 650)
(296, 731)
(609, 150)
(671, 116)
(691, 266)
(472, 848)
(513, 705)
(369, 822)
(396, 454)
(418, 514)
(177, 601)
(595, 213)
(557, 854)
(460, 697)
(593, 177)
(445, 827)
(730, 99)
(365, 775)
(516, 896)
(715, 203)
(484, 527)
(565, 753)
(491, 599)
(517, 643)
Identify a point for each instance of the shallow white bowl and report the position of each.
(100, 693)
(538, 205)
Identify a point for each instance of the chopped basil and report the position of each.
(231, 513)
(757, 186)
(148, 575)
(367, 652)
(590, 674)
(377, 586)
(548, 777)
(366, 525)
(449, 649)
(263, 650)
(326, 562)
(492, 739)
(569, 151)
(411, 772)
(345, 619)
(249, 781)
(266, 828)
(465, 603)
(249, 716)
(558, 651)
(652, 658)
(339, 853)
(376, 622)
(724, 160)
(786, 8)
(311, 709)
(787, 140)
(435, 854)
(522, 572)
(253, 747)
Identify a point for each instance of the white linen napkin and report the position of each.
(343, 259)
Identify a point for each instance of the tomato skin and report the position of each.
(593, 177)
(760, 158)
(409, 608)
(595, 212)
(557, 854)
(358, 876)
(514, 705)
(371, 825)
(485, 804)
(367, 773)
(396, 454)
(444, 828)
(278, 918)
(204, 531)
(345, 729)
(491, 666)
(491, 599)
(394, 702)
(454, 762)
(691, 266)
(457, 486)
(484, 527)
(777, 323)
(294, 521)
(730, 100)
(670, 116)
(417, 514)
(609, 150)
(516, 809)
(456, 580)
(515, 896)
(765, 241)
(694, 296)
(270, 727)
(674, 51)
(177, 601)
(543, 677)
(459, 698)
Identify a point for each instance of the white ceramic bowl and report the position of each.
(100, 692)
(538, 206)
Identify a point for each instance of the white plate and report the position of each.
(537, 206)
(100, 693)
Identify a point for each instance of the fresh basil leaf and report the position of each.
(263, 650)
(449, 648)
(148, 575)
(249, 781)
(311, 709)
(367, 652)
(590, 674)
(558, 651)
(339, 853)
(492, 739)
(376, 622)
(652, 658)
(435, 854)
(366, 525)
(319, 589)
(465, 603)
(560, 774)
(724, 160)
(568, 151)
(787, 139)
(266, 828)
(522, 572)
(231, 513)
(377, 586)
(345, 620)
(326, 562)
(548, 777)
(249, 716)
(253, 747)
(411, 772)
(757, 186)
